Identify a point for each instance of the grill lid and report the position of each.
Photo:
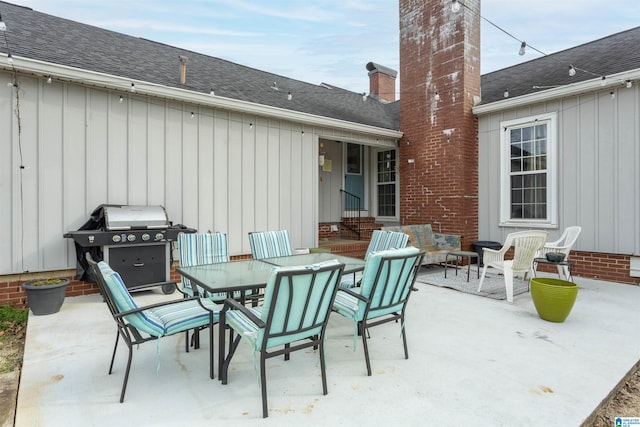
(135, 217)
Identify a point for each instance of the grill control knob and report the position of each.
(131, 237)
(116, 238)
(159, 236)
(145, 237)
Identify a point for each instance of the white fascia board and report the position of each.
(108, 81)
(615, 81)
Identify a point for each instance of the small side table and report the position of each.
(565, 263)
(458, 256)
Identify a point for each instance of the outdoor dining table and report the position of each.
(351, 265)
(252, 275)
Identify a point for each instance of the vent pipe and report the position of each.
(183, 69)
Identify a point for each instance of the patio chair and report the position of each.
(294, 314)
(387, 283)
(381, 240)
(137, 325)
(562, 245)
(270, 244)
(526, 244)
(201, 249)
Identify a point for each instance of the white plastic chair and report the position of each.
(527, 244)
(562, 245)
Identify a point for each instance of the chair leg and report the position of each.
(362, 328)
(508, 279)
(404, 337)
(484, 272)
(263, 386)
(126, 372)
(323, 367)
(113, 356)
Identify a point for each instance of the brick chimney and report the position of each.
(440, 69)
(382, 82)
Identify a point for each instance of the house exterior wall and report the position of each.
(215, 169)
(598, 156)
(330, 203)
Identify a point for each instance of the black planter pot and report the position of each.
(45, 299)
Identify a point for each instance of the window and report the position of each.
(354, 159)
(386, 183)
(528, 175)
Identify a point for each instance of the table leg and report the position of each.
(468, 267)
(446, 263)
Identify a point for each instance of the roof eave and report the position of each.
(611, 82)
(122, 84)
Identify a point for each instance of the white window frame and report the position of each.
(374, 184)
(551, 120)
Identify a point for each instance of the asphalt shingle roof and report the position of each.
(609, 55)
(36, 35)
(52, 39)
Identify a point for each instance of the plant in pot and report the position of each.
(45, 296)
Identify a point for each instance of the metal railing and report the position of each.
(351, 208)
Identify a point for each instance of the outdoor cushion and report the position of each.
(270, 244)
(380, 240)
(249, 330)
(145, 321)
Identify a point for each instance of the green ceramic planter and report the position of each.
(553, 298)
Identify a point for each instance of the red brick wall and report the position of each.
(11, 292)
(595, 265)
(439, 52)
(383, 85)
(608, 267)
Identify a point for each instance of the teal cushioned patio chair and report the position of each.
(270, 244)
(387, 282)
(137, 325)
(201, 249)
(293, 316)
(381, 240)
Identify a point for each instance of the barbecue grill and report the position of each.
(134, 240)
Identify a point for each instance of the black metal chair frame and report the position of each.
(397, 288)
(129, 333)
(320, 317)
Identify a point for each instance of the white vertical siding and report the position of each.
(599, 163)
(84, 146)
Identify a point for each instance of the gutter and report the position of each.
(108, 81)
(615, 81)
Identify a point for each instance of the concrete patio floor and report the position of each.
(473, 361)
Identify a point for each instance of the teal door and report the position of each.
(354, 175)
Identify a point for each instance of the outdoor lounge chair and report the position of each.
(294, 314)
(270, 244)
(562, 245)
(387, 283)
(526, 244)
(381, 240)
(137, 325)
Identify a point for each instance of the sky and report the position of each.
(331, 41)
